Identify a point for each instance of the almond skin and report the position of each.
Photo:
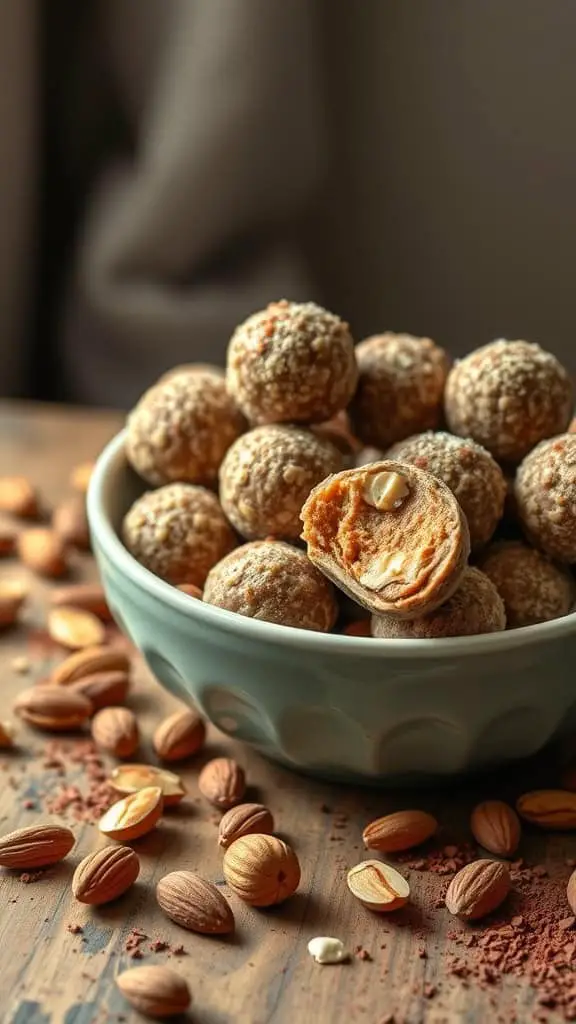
(179, 736)
(194, 903)
(222, 782)
(87, 662)
(478, 889)
(52, 708)
(18, 497)
(133, 816)
(44, 552)
(90, 597)
(551, 809)
(103, 689)
(496, 827)
(70, 522)
(155, 990)
(262, 870)
(116, 730)
(399, 831)
(75, 628)
(244, 820)
(13, 594)
(36, 846)
(105, 875)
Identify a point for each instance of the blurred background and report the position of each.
(169, 166)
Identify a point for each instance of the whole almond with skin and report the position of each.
(133, 816)
(495, 826)
(71, 522)
(87, 662)
(129, 778)
(43, 551)
(103, 689)
(37, 846)
(116, 730)
(194, 903)
(478, 889)
(105, 875)
(378, 886)
(155, 990)
(13, 594)
(89, 597)
(244, 820)
(191, 589)
(571, 892)
(7, 733)
(399, 831)
(52, 708)
(8, 540)
(18, 497)
(75, 628)
(222, 782)
(180, 735)
(552, 809)
(261, 869)
(80, 476)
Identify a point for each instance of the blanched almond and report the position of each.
(36, 846)
(116, 730)
(222, 782)
(13, 594)
(43, 551)
(155, 990)
(90, 597)
(133, 816)
(75, 628)
(103, 689)
(180, 735)
(18, 497)
(399, 831)
(378, 886)
(87, 662)
(105, 875)
(52, 708)
(129, 778)
(71, 523)
(194, 903)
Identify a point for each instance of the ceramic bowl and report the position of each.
(349, 708)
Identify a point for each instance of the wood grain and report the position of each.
(263, 975)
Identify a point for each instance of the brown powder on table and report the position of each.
(86, 802)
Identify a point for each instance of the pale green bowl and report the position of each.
(344, 707)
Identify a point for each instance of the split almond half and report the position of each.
(75, 628)
(131, 778)
(378, 886)
(133, 816)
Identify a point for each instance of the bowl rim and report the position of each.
(335, 644)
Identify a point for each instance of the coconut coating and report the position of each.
(273, 581)
(267, 475)
(532, 587)
(181, 429)
(178, 532)
(545, 491)
(292, 362)
(508, 396)
(468, 470)
(400, 388)
(476, 607)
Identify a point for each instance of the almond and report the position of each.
(43, 551)
(194, 903)
(105, 875)
(495, 826)
(180, 735)
(70, 522)
(133, 816)
(52, 708)
(87, 662)
(8, 542)
(155, 990)
(378, 886)
(13, 594)
(129, 778)
(7, 733)
(571, 892)
(222, 782)
(18, 497)
(116, 730)
(103, 689)
(75, 628)
(191, 589)
(90, 597)
(244, 820)
(478, 889)
(36, 846)
(80, 476)
(553, 809)
(399, 831)
(261, 869)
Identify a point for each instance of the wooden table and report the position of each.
(53, 973)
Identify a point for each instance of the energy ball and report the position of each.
(292, 362)
(532, 587)
(216, 371)
(267, 475)
(178, 532)
(468, 470)
(400, 388)
(390, 535)
(273, 581)
(508, 396)
(545, 491)
(181, 429)
(475, 607)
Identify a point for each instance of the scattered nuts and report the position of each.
(180, 735)
(244, 820)
(18, 497)
(13, 594)
(105, 875)
(385, 491)
(399, 831)
(155, 990)
(378, 886)
(496, 827)
(89, 661)
(327, 950)
(75, 628)
(133, 816)
(89, 597)
(222, 782)
(80, 476)
(553, 809)
(103, 689)
(43, 551)
(261, 869)
(36, 846)
(478, 889)
(130, 778)
(194, 903)
(7, 733)
(116, 730)
(53, 708)
(71, 523)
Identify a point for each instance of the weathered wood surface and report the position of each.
(48, 975)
